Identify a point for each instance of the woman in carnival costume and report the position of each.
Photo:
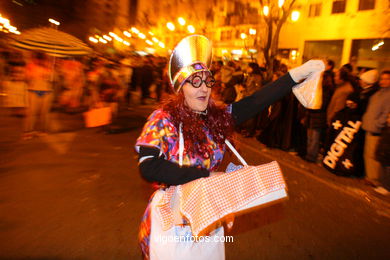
(193, 116)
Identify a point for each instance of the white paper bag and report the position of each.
(309, 92)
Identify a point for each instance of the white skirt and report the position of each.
(178, 243)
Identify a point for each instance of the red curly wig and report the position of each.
(217, 120)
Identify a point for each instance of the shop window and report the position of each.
(338, 6)
(366, 5)
(324, 50)
(371, 53)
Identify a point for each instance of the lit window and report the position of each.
(238, 33)
(338, 6)
(366, 4)
(229, 35)
(315, 9)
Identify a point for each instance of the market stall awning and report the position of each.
(50, 41)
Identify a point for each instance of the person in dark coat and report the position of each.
(146, 79)
(315, 120)
(284, 130)
(253, 82)
(383, 153)
(229, 93)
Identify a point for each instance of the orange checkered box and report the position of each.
(205, 201)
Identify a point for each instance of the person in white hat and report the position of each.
(192, 116)
(373, 122)
(368, 86)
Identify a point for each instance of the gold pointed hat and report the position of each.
(191, 55)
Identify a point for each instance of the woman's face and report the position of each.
(384, 80)
(197, 99)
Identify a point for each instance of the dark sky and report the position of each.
(26, 14)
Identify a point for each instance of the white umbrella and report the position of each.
(51, 41)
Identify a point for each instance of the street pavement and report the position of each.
(77, 194)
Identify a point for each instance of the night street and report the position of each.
(301, 89)
(77, 194)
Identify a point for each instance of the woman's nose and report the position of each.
(203, 87)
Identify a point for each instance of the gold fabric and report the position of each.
(192, 54)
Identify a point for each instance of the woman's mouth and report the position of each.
(201, 98)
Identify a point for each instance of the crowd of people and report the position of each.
(349, 99)
(34, 84)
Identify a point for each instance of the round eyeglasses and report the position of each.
(197, 81)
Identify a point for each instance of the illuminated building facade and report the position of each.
(342, 30)
(346, 31)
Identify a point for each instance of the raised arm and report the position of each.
(249, 106)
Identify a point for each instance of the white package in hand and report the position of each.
(309, 92)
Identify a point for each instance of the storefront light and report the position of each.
(295, 16)
(266, 10)
(170, 26)
(113, 35)
(134, 30)
(4, 21)
(102, 40)
(108, 38)
(92, 39)
(191, 29)
(54, 21)
(150, 50)
(181, 21)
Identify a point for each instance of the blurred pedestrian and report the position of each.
(229, 93)
(109, 88)
(146, 78)
(14, 85)
(374, 120)
(40, 95)
(345, 85)
(227, 72)
(160, 65)
(72, 71)
(253, 83)
(315, 120)
(383, 153)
